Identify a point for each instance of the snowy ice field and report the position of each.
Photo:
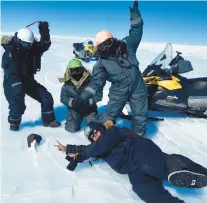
(41, 175)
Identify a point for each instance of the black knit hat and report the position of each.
(33, 137)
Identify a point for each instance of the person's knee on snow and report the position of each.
(72, 127)
(73, 121)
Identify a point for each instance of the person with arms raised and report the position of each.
(20, 62)
(118, 64)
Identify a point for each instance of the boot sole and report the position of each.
(187, 179)
(48, 126)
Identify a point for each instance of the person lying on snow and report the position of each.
(20, 62)
(76, 79)
(118, 64)
(143, 161)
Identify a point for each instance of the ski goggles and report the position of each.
(26, 45)
(76, 71)
(89, 133)
(106, 44)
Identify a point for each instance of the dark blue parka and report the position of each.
(19, 67)
(140, 158)
(127, 84)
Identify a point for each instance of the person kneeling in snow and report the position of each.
(76, 79)
(143, 161)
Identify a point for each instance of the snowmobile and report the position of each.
(85, 51)
(168, 91)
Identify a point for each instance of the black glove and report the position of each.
(44, 30)
(73, 162)
(68, 158)
(77, 103)
(72, 165)
(82, 107)
(89, 108)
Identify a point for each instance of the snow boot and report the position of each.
(197, 168)
(187, 179)
(14, 127)
(53, 124)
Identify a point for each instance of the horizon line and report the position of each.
(84, 38)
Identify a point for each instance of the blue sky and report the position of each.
(175, 22)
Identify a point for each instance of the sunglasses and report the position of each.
(76, 71)
(106, 44)
(89, 133)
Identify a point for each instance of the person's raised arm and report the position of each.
(136, 30)
(44, 43)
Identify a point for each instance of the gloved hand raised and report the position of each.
(44, 30)
(135, 14)
(135, 6)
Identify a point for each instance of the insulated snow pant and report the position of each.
(74, 120)
(153, 166)
(139, 107)
(15, 94)
(150, 189)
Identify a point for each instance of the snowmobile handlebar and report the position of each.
(178, 53)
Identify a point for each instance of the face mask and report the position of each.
(77, 77)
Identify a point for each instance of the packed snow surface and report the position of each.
(40, 176)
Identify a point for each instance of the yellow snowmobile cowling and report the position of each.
(90, 48)
(173, 84)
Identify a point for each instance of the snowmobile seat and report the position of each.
(78, 46)
(179, 65)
